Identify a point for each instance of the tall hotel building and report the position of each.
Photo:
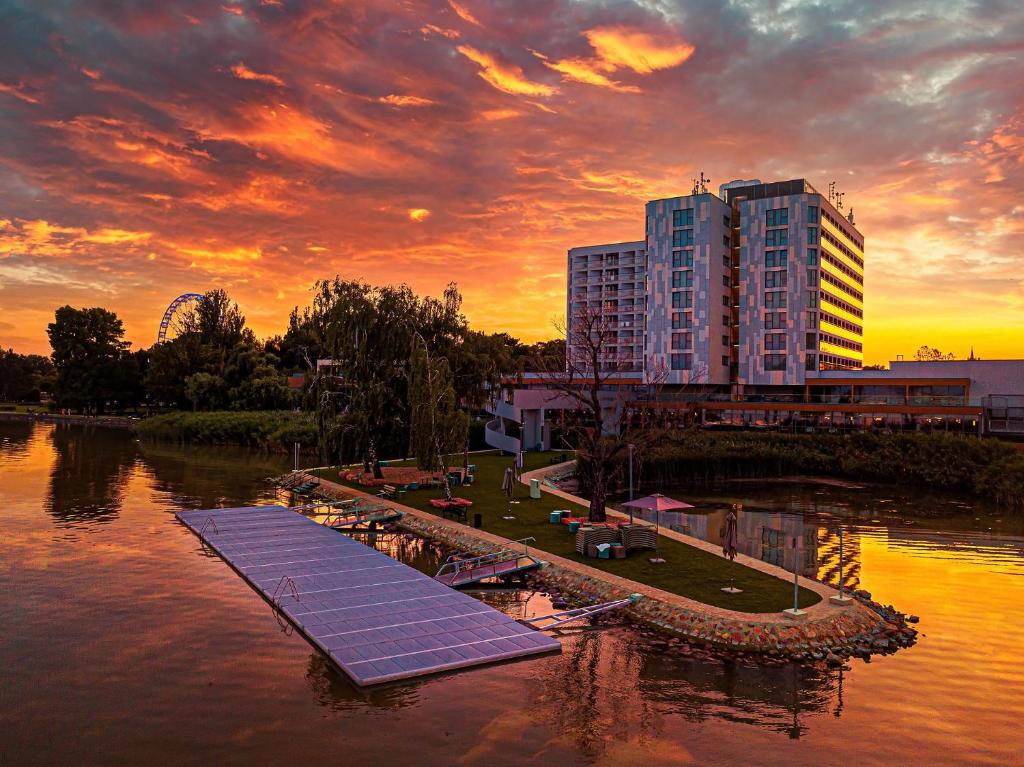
(762, 285)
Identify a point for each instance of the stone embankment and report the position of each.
(827, 632)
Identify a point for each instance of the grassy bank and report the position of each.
(688, 571)
(985, 468)
(265, 429)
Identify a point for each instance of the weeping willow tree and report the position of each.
(437, 425)
(364, 410)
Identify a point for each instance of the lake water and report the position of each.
(123, 642)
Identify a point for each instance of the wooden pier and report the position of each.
(376, 618)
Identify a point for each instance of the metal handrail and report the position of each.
(209, 521)
(285, 581)
(457, 564)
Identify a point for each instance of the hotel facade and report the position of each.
(745, 309)
(761, 285)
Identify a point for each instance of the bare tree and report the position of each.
(592, 381)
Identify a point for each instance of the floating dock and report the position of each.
(378, 619)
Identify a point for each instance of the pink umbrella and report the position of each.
(656, 503)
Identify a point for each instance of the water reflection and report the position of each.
(90, 470)
(14, 439)
(174, 657)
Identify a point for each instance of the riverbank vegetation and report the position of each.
(267, 430)
(985, 468)
(347, 359)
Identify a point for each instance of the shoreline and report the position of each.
(825, 632)
(112, 421)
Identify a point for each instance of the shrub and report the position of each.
(265, 429)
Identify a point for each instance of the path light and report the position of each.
(795, 613)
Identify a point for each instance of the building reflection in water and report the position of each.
(768, 536)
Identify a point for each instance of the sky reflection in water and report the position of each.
(124, 641)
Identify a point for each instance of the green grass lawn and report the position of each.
(688, 571)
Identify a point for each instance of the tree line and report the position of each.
(405, 369)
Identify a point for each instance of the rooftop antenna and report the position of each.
(839, 200)
(831, 190)
(849, 216)
(704, 183)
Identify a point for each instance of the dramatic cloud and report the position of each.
(149, 149)
(242, 72)
(504, 77)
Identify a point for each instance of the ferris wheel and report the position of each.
(170, 323)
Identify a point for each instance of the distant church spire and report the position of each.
(972, 354)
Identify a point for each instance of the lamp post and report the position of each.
(795, 613)
(631, 472)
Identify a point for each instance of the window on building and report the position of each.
(725, 301)
(682, 361)
(776, 258)
(725, 220)
(812, 235)
(682, 279)
(776, 279)
(725, 261)
(777, 217)
(775, 342)
(725, 280)
(812, 278)
(682, 217)
(726, 241)
(776, 237)
(775, 321)
(812, 214)
(775, 299)
(812, 299)
(682, 341)
(811, 362)
(812, 340)
(682, 320)
(725, 360)
(681, 238)
(725, 340)
(682, 299)
(775, 362)
(812, 319)
(682, 259)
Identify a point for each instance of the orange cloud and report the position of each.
(18, 91)
(462, 13)
(419, 214)
(242, 72)
(405, 101)
(39, 237)
(620, 47)
(505, 77)
(586, 71)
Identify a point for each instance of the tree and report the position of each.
(587, 381)
(87, 347)
(367, 332)
(437, 426)
(23, 376)
(928, 354)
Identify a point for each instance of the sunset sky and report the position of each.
(153, 148)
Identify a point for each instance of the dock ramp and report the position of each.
(376, 618)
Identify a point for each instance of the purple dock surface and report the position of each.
(378, 619)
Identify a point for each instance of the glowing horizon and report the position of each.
(150, 150)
